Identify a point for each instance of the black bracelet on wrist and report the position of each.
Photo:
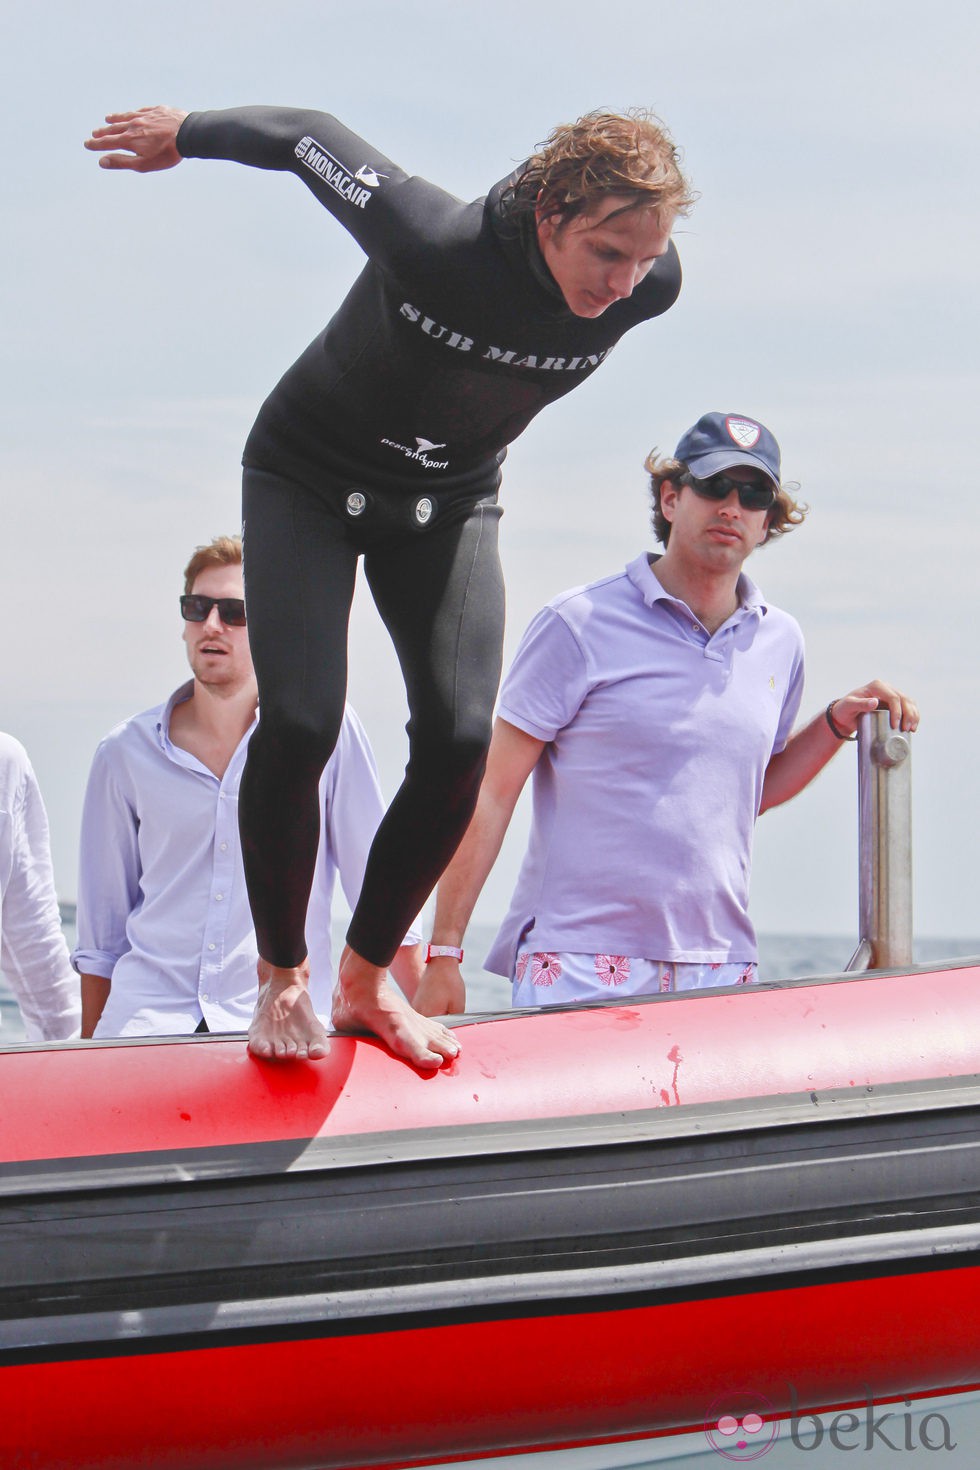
(835, 728)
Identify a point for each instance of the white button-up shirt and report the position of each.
(162, 906)
(33, 951)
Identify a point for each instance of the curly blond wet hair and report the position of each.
(580, 164)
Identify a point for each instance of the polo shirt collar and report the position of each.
(641, 573)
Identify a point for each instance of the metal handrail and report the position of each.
(884, 845)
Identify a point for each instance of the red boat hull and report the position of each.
(655, 1206)
(412, 1398)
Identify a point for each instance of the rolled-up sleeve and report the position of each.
(108, 871)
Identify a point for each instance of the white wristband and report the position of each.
(440, 951)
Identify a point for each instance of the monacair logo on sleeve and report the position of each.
(333, 173)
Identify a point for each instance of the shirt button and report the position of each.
(210, 946)
(224, 847)
(218, 897)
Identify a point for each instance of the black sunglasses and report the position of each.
(752, 494)
(195, 609)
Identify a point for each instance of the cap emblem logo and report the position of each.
(744, 432)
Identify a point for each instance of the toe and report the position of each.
(429, 1060)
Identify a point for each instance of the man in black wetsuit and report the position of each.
(385, 439)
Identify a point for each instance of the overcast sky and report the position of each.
(829, 290)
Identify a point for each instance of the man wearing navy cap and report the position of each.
(655, 708)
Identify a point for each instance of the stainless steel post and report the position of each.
(885, 845)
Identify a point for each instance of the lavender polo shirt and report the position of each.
(646, 796)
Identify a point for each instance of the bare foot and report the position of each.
(284, 1026)
(364, 1001)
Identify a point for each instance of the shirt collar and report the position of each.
(641, 573)
(175, 752)
(163, 724)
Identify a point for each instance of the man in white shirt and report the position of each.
(165, 938)
(33, 951)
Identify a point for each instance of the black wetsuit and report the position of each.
(385, 439)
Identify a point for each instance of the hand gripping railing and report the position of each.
(885, 845)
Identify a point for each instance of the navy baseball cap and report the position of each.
(720, 440)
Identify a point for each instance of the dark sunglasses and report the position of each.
(752, 494)
(195, 609)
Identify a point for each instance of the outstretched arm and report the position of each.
(396, 219)
(810, 748)
(148, 138)
(512, 757)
